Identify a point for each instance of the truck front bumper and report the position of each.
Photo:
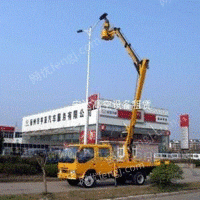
(67, 174)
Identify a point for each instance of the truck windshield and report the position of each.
(68, 155)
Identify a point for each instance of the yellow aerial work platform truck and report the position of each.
(87, 163)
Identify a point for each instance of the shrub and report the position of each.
(10, 159)
(33, 162)
(1, 168)
(165, 173)
(25, 169)
(24, 166)
(197, 163)
(19, 169)
(51, 170)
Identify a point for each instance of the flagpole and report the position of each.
(97, 120)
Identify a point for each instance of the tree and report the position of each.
(42, 160)
(165, 173)
(1, 142)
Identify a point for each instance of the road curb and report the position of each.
(145, 196)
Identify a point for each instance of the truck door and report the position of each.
(104, 162)
(86, 159)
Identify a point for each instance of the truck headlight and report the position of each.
(73, 172)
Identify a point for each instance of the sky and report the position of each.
(43, 61)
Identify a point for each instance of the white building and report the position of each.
(12, 140)
(66, 125)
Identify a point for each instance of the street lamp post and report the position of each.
(89, 32)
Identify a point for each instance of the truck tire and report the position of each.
(139, 178)
(73, 182)
(89, 181)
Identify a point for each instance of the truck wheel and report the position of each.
(89, 181)
(139, 178)
(73, 182)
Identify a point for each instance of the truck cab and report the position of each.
(85, 163)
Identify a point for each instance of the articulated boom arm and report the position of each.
(141, 67)
(108, 34)
(128, 48)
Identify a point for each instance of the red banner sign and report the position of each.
(91, 136)
(92, 100)
(125, 114)
(184, 120)
(103, 127)
(7, 128)
(150, 117)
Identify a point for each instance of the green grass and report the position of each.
(102, 192)
(29, 197)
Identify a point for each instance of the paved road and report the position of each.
(33, 187)
(191, 196)
(190, 175)
(184, 195)
(54, 186)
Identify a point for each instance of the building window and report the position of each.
(54, 118)
(8, 135)
(59, 117)
(27, 122)
(64, 116)
(31, 122)
(54, 137)
(41, 120)
(134, 150)
(18, 134)
(120, 152)
(82, 113)
(69, 115)
(61, 137)
(5, 135)
(38, 120)
(45, 120)
(89, 113)
(75, 114)
(34, 121)
(49, 119)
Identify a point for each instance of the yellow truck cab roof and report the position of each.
(90, 145)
